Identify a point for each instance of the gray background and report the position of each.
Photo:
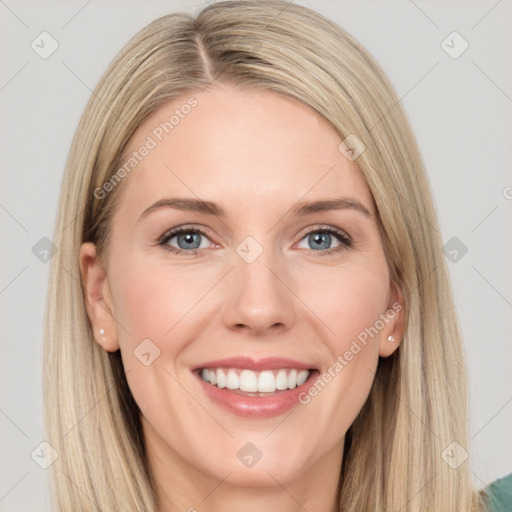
(460, 110)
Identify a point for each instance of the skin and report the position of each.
(257, 154)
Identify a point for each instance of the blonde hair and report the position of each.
(417, 405)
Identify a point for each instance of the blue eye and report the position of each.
(320, 241)
(189, 240)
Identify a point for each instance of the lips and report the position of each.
(264, 399)
(242, 362)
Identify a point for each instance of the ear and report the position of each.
(98, 300)
(394, 322)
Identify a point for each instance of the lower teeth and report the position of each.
(252, 393)
(257, 393)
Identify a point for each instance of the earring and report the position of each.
(391, 338)
(102, 334)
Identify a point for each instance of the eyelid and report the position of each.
(171, 233)
(325, 228)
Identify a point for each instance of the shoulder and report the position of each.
(499, 495)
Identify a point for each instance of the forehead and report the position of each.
(241, 148)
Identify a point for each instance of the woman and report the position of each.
(250, 308)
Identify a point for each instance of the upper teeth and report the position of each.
(266, 381)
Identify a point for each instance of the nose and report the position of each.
(258, 299)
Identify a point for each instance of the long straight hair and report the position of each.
(393, 455)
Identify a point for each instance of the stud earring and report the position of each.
(102, 334)
(391, 338)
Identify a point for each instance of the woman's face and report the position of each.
(255, 275)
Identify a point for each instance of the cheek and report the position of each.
(349, 300)
(156, 302)
(151, 299)
(350, 304)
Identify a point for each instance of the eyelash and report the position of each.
(346, 241)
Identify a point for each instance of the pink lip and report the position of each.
(256, 406)
(268, 363)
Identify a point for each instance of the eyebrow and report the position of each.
(211, 208)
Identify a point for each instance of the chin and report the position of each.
(252, 467)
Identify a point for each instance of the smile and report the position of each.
(255, 389)
(267, 381)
